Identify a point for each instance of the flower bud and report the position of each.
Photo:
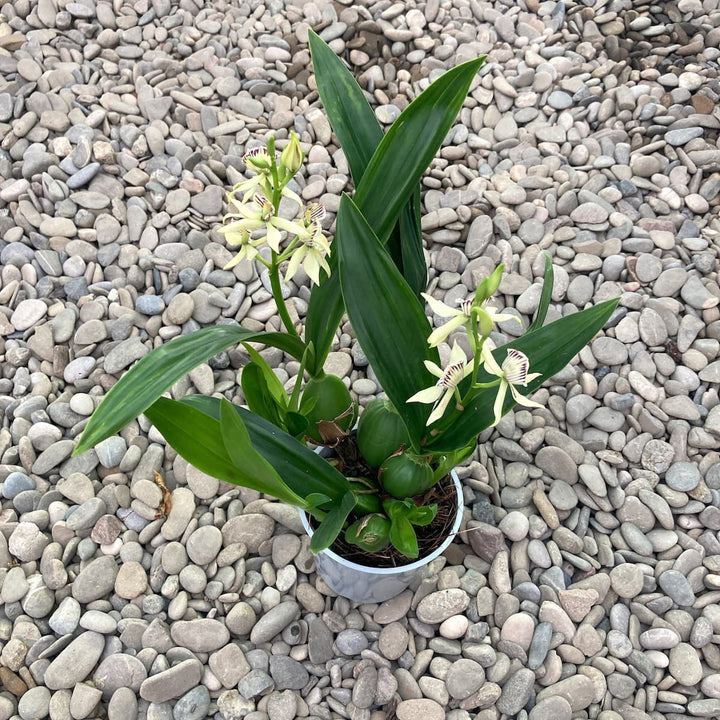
(292, 156)
(485, 323)
(489, 285)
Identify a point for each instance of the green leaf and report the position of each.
(331, 525)
(403, 537)
(272, 382)
(350, 114)
(296, 423)
(388, 181)
(317, 500)
(423, 515)
(304, 471)
(549, 350)
(258, 395)
(414, 268)
(203, 442)
(546, 295)
(410, 144)
(239, 448)
(155, 373)
(389, 323)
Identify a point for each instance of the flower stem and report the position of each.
(279, 299)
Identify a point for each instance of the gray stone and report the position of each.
(200, 635)
(274, 622)
(288, 674)
(682, 476)
(351, 642)
(193, 705)
(442, 604)
(676, 586)
(95, 580)
(516, 692)
(171, 683)
(75, 662)
(119, 671)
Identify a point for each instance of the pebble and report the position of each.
(75, 662)
(685, 665)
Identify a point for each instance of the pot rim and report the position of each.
(421, 562)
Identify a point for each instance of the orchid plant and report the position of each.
(373, 270)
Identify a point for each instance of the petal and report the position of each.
(294, 264)
(429, 395)
(439, 334)
(312, 268)
(439, 411)
(235, 238)
(324, 264)
(240, 225)
(499, 402)
(502, 317)
(273, 237)
(237, 259)
(288, 193)
(290, 226)
(522, 400)
(440, 308)
(489, 361)
(434, 369)
(457, 354)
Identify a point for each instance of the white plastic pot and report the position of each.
(366, 584)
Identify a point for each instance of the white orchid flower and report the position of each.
(442, 392)
(258, 160)
(313, 249)
(248, 247)
(514, 372)
(261, 215)
(458, 317)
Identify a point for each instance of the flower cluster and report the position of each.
(478, 320)
(254, 219)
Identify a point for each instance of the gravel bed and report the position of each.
(585, 582)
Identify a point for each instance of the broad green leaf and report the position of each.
(237, 442)
(304, 471)
(200, 439)
(549, 350)
(409, 146)
(296, 423)
(317, 500)
(392, 175)
(154, 374)
(258, 395)
(389, 323)
(272, 382)
(350, 114)
(359, 133)
(546, 295)
(422, 515)
(403, 537)
(331, 525)
(414, 268)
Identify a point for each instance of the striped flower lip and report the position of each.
(259, 158)
(444, 389)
